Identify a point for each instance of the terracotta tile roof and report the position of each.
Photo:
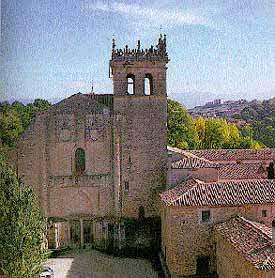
(251, 239)
(222, 193)
(188, 160)
(94, 103)
(242, 171)
(236, 154)
(173, 194)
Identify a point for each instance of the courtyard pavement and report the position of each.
(94, 264)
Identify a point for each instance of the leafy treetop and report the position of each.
(21, 227)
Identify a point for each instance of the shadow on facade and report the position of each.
(142, 239)
(130, 238)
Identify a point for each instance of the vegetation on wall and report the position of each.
(21, 227)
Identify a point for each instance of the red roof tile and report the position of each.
(252, 240)
(188, 160)
(174, 193)
(236, 154)
(242, 171)
(222, 193)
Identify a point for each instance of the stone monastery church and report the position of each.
(101, 168)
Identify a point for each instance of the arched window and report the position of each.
(79, 161)
(130, 84)
(148, 84)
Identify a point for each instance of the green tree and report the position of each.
(247, 131)
(264, 133)
(206, 133)
(181, 128)
(23, 112)
(232, 138)
(21, 227)
(216, 133)
(41, 104)
(16, 117)
(4, 106)
(261, 117)
(10, 127)
(249, 143)
(199, 123)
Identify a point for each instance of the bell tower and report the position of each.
(140, 116)
(138, 65)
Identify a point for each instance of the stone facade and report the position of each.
(212, 181)
(94, 160)
(231, 265)
(185, 238)
(244, 249)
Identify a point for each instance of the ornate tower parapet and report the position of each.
(132, 68)
(157, 53)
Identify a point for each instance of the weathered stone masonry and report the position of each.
(94, 160)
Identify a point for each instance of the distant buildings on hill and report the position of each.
(219, 108)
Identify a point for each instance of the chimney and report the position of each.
(273, 235)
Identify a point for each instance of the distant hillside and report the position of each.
(260, 117)
(219, 108)
(255, 118)
(192, 98)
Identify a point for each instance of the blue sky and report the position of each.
(52, 49)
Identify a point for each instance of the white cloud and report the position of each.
(150, 15)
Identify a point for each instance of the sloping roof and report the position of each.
(222, 193)
(188, 160)
(241, 171)
(95, 103)
(82, 103)
(235, 154)
(173, 194)
(252, 240)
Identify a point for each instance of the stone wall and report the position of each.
(141, 128)
(185, 238)
(46, 160)
(31, 160)
(255, 213)
(143, 152)
(204, 174)
(126, 146)
(230, 264)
